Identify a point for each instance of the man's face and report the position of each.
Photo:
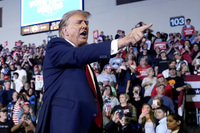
(4, 115)
(160, 114)
(76, 30)
(160, 89)
(108, 70)
(172, 72)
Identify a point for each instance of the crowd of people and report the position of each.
(141, 85)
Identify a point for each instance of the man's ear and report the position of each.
(179, 122)
(65, 31)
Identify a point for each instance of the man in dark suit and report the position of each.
(70, 103)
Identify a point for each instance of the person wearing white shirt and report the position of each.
(18, 83)
(161, 115)
(22, 73)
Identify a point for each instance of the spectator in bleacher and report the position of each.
(11, 105)
(130, 59)
(29, 72)
(123, 77)
(116, 61)
(188, 25)
(162, 63)
(109, 101)
(196, 40)
(2, 78)
(146, 120)
(117, 36)
(184, 70)
(145, 53)
(155, 56)
(196, 55)
(5, 123)
(106, 81)
(36, 71)
(177, 84)
(186, 53)
(4, 68)
(9, 59)
(179, 59)
(166, 72)
(129, 111)
(175, 123)
(26, 108)
(103, 36)
(141, 69)
(195, 50)
(7, 93)
(26, 61)
(168, 89)
(158, 37)
(161, 115)
(11, 70)
(17, 108)
(149, 82)
(166, 100)
(170, 40)
(22, 73)
(18, 85)
(26, 125)
(118, 124)
(107, 74)
(136, 99)
(178, 42)
(133, 50)
(30, 96)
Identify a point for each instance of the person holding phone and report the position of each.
(26, 125)
(136, 99)
(146, 120)
(128, 110)
(118, 124)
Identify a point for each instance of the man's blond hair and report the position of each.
(67, 15)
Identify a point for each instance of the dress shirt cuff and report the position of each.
(114, 47)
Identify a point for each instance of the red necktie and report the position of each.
(98, 119)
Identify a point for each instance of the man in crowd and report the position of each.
(106, 74)
(161, 115)
(5, 124)
(72, 101)
(166, 100)
(177, 84)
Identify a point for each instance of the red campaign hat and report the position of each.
(160, 75)
(6, 77)
(36, 66)
(26, 103)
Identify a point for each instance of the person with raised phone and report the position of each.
(72, 101)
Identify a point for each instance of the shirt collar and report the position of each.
(70, 43)
(163, 119)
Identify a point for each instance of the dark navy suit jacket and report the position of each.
(69, 105)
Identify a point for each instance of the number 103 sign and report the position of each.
(177, 21)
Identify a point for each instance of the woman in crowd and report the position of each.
(168, 89)
(186, 53)
(31, 98)
(141, 69)
(127, 109)
(25, 126)
(175, 123)
(149, 82)
(123, 77)
(146, 120)
(109, 101)
(136, 99)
